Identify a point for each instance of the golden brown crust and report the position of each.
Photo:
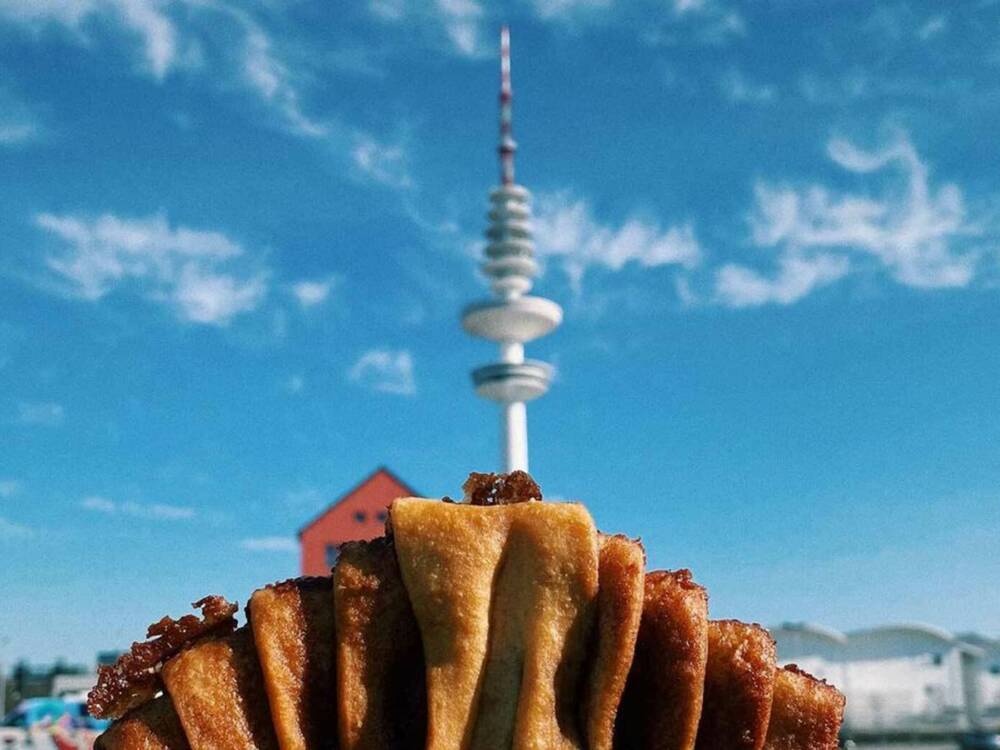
(739, 686)
(218, 691)
(505, 597)
(152, 726)
(293, 632)
(806, 713)
(621, 572)
(663, 697)
(381, 691)
(134, 678)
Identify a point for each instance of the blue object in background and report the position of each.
(46, 711)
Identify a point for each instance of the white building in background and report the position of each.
(900, 678)
(818, 650)
(989, 677)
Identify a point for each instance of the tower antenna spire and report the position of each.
(512, 317)
(507, 145)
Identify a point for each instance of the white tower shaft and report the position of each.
(514, 434)
(513, 317)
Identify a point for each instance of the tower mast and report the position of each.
(512, 317)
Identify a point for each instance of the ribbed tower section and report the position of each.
(512, 317)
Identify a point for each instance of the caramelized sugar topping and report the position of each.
(501, 489)
(134, 678)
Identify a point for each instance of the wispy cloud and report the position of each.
(899, 23)
(385, 370)
(145, 20)
(19, 125)
(387, 164)
(313, 292)
(305, 499)
(191, 270)
(11, 530)
(270, 544)
(738, 286)
(9, 487)
(456, 24)
(669, 22)
(912, 231)
(932, 27)
(151, 511)
(561, 9)
(566, 231)
(461, 19)
(174, 36)
(40, 413)
(737, 88)
(294, 384)
(271, 78)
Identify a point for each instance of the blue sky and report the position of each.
(235, 238)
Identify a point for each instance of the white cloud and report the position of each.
(389, 10)
(388, 164)
(305, 498)
(153, 511)
(457, 21)
(902, 226)
(385, 370)
(40, 413)
(737, 88)
(15, 131)
(270, 544)
(157, 31)
(174, 40)
(312, 293)
(565, 229)
(9, 487)
(688, 6)
(98, 504)
(144, 19)
(159, 511)
(550, 9)
(18, 124)
(9, 530)
(272, 80)
(912, 231)
(461, 22)
(738, 286)
(933, 26)
(206, 297)
(190, 270)
(661, 21)
(295, 384)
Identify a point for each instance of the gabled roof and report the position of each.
(380, 471)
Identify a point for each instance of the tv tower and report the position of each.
(512, 317)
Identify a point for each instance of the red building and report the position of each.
(360, 514)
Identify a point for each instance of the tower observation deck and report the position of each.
(512, 317)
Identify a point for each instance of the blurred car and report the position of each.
(979, 741)
(68, 712)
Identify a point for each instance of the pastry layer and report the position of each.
(381, 691)
(152, 726)
(806, 712)
(739, 687)
(621, 573)
(505, 597)
(294, 635)
(218, 691)
(663, 697)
